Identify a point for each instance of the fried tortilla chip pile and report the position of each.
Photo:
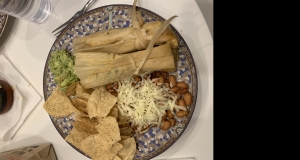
(99, 130)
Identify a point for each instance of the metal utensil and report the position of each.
(77, 14)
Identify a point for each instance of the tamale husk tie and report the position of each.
(140, 42)
(140, 18)
(131, 59)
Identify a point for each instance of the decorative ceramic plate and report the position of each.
(3, 20)
(155, 141)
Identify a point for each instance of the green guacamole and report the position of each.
(61, 65)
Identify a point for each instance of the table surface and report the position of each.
(27, 46)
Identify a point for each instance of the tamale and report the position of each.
(116, 67)
(102, 38)
(93, 58)
(124, 46)
(124, 40)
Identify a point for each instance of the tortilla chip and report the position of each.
(86, 120)
(114, 112)
(101, 142)
(124, 137)
(75, 137)
(108, 131)
(116, 148)
(122, 118)
(99, 118)
(100, 103)
(92, 149)
(128, 150)
(126, 131)
(108, 125)
(89, 91)
(59, 105)
(81, 93)
(71, 89)
(117, 158)
(123, 124)
(80, 104)
(82, 127)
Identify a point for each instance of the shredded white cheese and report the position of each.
(146, 102)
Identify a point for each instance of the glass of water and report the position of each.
(36, 11)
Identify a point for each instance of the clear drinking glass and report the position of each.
(36, 11)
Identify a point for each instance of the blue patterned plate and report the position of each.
(155, 141)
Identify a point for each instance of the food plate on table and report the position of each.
(154, 140)
(3, 20)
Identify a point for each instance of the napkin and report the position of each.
(26, 99)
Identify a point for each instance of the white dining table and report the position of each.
(27, 47)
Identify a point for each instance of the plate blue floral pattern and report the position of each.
(155, 141)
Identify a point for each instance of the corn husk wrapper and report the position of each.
(122, 40)
(98, 69)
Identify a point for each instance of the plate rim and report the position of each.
(160, 151)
